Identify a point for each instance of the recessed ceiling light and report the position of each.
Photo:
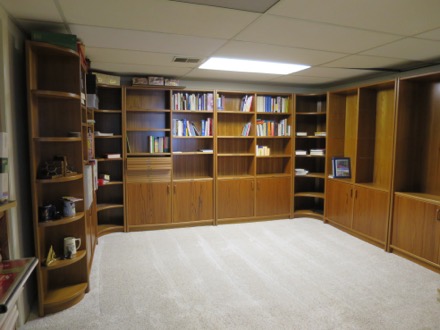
(238, 65)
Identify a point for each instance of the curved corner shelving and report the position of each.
(62, 221)
(57, 264)
(61, 179)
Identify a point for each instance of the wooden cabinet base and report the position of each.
(60, 299)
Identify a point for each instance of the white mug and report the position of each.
(71, 244)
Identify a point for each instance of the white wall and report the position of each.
(13, 119)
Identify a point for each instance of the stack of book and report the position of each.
(301, 171)
(317, 152)
(301, 133)
(263, 151)
(320, 134)
(300, 152)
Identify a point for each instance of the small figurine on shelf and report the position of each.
(56, 168)
(51, 256)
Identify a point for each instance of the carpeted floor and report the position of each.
(284, 274)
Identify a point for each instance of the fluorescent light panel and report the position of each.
(238, 65)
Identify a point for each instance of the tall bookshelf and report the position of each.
(147, 118)
(235, 156)
(55, 126)
(193, 156)
(310, 133)
(274, 113)
(109, 152)
(415, 228)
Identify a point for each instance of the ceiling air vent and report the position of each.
(191, 60)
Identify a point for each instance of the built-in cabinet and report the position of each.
(56, 105)
(416, 214)
(109, 152)
(310, 167)
(361, 127)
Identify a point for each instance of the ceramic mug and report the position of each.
(71, 245)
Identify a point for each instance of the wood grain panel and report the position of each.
(235, 198)
(273, 196)
(193, 201)
(338, 202)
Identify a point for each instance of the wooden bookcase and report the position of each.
(54, 112)
(361, 127)
(147, 118)
(310, 133)
(109, 140)
(415, 229)
(236, 162)
(193, 156)
(274, 113)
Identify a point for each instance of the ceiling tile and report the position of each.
(29, 25)
(410, 49)
(44, 10)
(224, 75)
(431, 35)
(364, 61)
(122, 56)
(297, 33)
(403, 17)
(146, 41)
(259, 6)
(157, 15)
(128, 69)
(264, 52)
(302, 80)
(335, 73)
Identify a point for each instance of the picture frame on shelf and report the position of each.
(341, 167)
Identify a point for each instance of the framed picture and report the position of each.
(341, 167)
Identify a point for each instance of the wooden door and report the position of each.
(339, 202)
(415, 227)
(370, 213)
(235, 198)
(273, 196)
(148, 203)
(193, 201)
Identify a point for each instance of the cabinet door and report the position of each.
(339, 202)
(370, 212)
(273, 196)
(235, 198)
(415, 228)
(148, 203)
(193, 201)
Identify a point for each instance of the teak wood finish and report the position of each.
(55, 108)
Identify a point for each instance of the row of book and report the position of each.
(312, 152)
(272, 128)
(193, 101)
(158, 144)
(184, 127)
(245, 103)
(263, 150)
(246, 129)
(272, 104)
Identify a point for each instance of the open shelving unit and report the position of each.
(55, 111)
(109, 140)
(310, 133)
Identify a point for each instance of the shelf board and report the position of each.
(312, 175)
(57, 139)
(108, 206)
(236, 155)
(312, 113)
(148, 154)
(112, 183)
(274, 156)
(235, 112)
(310, 194)
(308, 213)
(273, 137)
(107, 111)
(235, 137)
(310, 137)
(272, 113)
(149, 110)
(193, 137)
(310, 156)
(57, 264)
(109, 159)
(61, 179)
(107, 229)
(235, 176)
(193, 111)
(7, 205)
(55, 94)
(420, 196)
(46, 48)
(109, 137)
(189, 153)
(148, 130)
(63, 296)
(62, 221)
(200, 178)
(147, 87)
(274, 175)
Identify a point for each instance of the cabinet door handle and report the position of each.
(437, 214)
(355, 194)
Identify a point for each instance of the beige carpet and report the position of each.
(285, 274)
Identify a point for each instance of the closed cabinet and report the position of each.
(148, 203)
(416, 228)
(235, 198)
(361, 209)
(370, 212)
(273, 196)
(193, 201)
(339, 202)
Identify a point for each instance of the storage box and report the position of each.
(92, 101)
(58, 39)
(106, 79)
(155, 81)
(139, 81)
(171, 82)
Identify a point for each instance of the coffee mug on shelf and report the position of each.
(71, 245)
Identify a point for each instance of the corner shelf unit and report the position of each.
(109, 143)
(55, 110)
(310, 133)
